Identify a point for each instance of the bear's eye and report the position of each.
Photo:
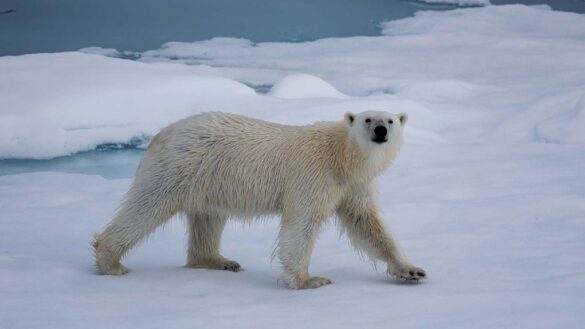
(368, 120)
(390, 121)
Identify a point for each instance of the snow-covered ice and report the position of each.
(304, 86)
(498, 229)
(63, 103)
(487, 195)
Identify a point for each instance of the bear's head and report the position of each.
(374, 129)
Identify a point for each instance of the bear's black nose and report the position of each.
(380, 133)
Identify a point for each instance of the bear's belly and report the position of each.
(240, 194)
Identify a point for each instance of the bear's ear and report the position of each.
(349, 117)
(403, 117)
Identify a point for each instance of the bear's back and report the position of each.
(236, 162)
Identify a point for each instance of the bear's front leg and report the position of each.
(295, 244)
(404, 271)
(358, 215)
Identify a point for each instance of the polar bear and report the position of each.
(216, 166)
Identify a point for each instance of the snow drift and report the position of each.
(59, 104)
(304, 86)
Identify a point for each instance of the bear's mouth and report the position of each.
(379, 140)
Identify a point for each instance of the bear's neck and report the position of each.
(352, 162)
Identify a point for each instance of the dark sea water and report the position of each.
(33, 26)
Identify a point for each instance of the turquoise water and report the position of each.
(109, 164)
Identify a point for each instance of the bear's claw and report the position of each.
(316, 282)
(233, 266)
(408, 274)
(219, 263)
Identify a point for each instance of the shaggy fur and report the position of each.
(215, 166)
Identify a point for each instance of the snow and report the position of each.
(110, 52)
(557, 129)
(499, 230)
(63, 103)
(304, 86)
(487, 194)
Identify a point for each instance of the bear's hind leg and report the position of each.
(137, 218)
(205, 230)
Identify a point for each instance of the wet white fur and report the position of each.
(216, 166)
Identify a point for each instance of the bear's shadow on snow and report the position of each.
(248, 277)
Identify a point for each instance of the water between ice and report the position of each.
(111, 164)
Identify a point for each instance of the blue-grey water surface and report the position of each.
(33, 26)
